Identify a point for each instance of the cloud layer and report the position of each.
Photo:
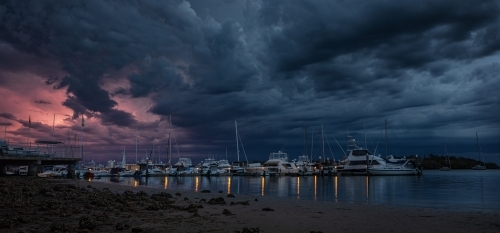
(430, 68)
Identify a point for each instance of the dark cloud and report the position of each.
(5, 123)
(273, 66)
(117, 117)
(42, 102)
(7, 115)
(337, 36)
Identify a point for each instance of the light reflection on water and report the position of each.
(452, 190)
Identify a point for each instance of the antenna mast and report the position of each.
(386, 138)
(237, 146)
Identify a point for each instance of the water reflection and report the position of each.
(336, 187)
(315, 186)
(367, 187)
(298, 187)
(197, 184)
(451, 190)
(262, 182)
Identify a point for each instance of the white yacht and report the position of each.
(154, 170)
(392, 166)
(306, 168)
(208, 167)
(278, 165)
(182, 168)
(360, 161)
(223, 167)
(254, 169)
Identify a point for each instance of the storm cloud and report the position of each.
(431, 68)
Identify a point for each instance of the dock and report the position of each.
(34, 162)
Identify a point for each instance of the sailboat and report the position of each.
(123, 171)
(184, 166)
(448, 163)
(480, 157)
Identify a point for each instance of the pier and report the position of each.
(33, 162)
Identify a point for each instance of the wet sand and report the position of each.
(30, 204)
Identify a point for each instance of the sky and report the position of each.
(284, 70)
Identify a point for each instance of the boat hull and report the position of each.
(392, 172)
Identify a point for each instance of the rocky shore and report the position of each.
(30, 204)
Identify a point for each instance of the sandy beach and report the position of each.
(30, 204)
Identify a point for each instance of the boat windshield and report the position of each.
(360, 152)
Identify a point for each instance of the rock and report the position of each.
(267, 209)
(227, 212)
(230, 195)
(217, 201)
(240, 203)
(220, 191)
(250, 230)
(203, 200)
(59, 227)
(205, 191)
(192, 208)
(186, 199)
(119, 227)
(178, 194)
(137, 229)
(256, 199)
(86, 223)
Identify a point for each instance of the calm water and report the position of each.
(452, 190)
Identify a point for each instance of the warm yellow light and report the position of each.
(262, 180)
(196, 184)
(315, 186)
(298, 186)
(336, 188)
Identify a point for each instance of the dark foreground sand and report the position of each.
(29, 204)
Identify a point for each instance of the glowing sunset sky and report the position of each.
(431, 68)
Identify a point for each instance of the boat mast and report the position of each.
(69, 149)
(386, 138)
(5, 131)
(322, 144)
(124, 161)
(305, 141)
(109, 151)
(81, 138)
(53, 123)
(237, 146)
(29, 126)
(478, 149)
(480, 156)
(170, 141)
(364, 129)
(136, 144)
(312, 144)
